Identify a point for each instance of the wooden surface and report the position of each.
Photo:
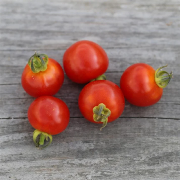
(144, 143)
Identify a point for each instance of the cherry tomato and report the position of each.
(142, 85)
(49, 116)
(84, 61)
(101, 101)
(42, 76)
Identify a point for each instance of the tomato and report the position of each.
(42, 78)
(49, 116)
(142, 85)
(101, 102)
(84, 61)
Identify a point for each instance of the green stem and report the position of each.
(162, 78)
(38, 62)
(101, 114)
(101, 77)
(41, 139)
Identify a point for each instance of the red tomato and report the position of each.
(84, 61)
(47, 82)
(48, 114)
(97, 92)
(142, 85)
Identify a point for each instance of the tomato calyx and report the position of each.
(162, 78)
(101, 77)
(101, 114)
(38, 62)
(41, 139)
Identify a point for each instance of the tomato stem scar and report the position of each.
(41, 139)
(101, 77)
(38, 62)
(101, 114)
(162, 78)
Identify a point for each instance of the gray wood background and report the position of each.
(144, 143)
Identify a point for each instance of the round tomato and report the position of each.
(101, 102)
(84, 61)
(142, 85)
(42, 76)
(49, 116)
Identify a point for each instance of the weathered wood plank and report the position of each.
(124, 24)
(144, 142)
(129, 148)
(15, 102)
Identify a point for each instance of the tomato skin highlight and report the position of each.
(46, 82)
(138, 85)
(102, 91)
(84, 61)
(49, 114)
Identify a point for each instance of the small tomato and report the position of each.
(49, 116)
(101, 102)
(42, 76)
(142, 85)
(84, 61)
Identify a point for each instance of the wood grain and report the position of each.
(143, 143)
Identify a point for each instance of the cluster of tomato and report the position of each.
(100, 101)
